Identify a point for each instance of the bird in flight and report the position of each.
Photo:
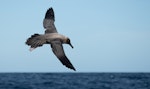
(51, 37)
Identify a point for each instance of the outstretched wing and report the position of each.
(48, 21)
(59, 52)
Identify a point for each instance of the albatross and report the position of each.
(51, 37)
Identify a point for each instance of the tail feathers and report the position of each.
(35, 41)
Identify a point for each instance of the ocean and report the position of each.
(74, 80)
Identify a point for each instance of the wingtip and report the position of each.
(50, 14)
(72, 68)
(50, 8)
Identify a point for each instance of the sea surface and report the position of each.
(74, 80)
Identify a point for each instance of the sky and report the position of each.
(107, 35)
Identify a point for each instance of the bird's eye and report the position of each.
(68, 40)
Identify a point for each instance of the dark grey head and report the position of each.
(69, 42)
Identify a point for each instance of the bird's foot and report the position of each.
(31, 49)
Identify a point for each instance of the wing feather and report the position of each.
(48, 21)
(57, 48)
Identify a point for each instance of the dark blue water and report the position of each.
(74, 80)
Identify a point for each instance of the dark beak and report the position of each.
(70, 45)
